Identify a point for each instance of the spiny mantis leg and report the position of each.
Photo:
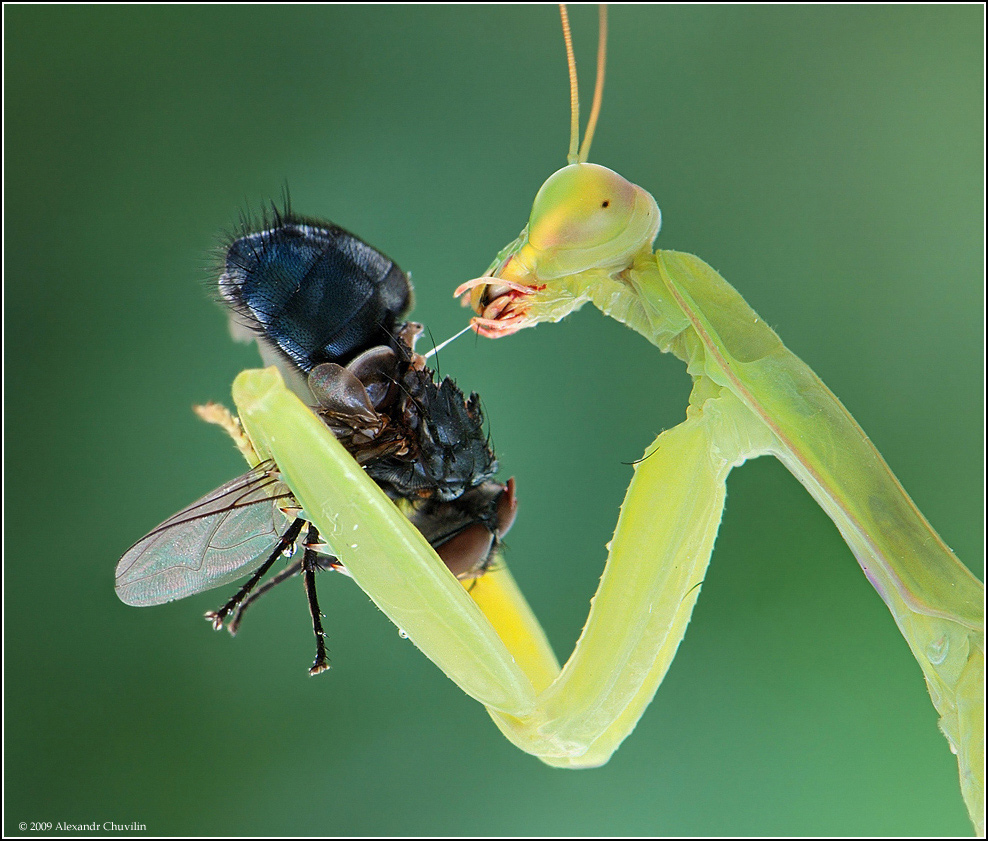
(659, 553)
(324, 562)
(287, 539)
(310, 563)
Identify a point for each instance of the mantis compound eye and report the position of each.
(586, 215)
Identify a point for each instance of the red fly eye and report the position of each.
(465, 553)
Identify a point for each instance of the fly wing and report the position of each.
(214, 541)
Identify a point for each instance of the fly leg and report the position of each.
(292, 569)
(322, 561)
(310, 563)
(287, 539)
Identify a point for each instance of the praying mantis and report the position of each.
(750, 397)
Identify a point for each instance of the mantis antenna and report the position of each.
(598, 91)
(574, 90)
(574, 155)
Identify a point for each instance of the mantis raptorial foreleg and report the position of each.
(662, 542)
(658, 556)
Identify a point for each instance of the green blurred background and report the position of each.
(826, 160)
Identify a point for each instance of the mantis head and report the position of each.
(587, 222)
(585, 219)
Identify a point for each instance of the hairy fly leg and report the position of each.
(310, 563)
(323, 562)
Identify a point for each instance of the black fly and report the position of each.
(327, 309)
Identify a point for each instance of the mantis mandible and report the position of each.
(589, 238)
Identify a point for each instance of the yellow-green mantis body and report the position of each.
(751, 397)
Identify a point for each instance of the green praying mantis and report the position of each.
(589, 238)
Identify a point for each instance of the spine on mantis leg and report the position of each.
(935, 600)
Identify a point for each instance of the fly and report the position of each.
(328, 310)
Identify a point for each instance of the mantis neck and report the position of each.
(619, 295)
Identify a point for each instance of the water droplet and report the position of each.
(402, 634)
(936, 651)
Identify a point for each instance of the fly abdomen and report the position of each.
(314, 291)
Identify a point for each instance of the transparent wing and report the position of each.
(214, 541)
